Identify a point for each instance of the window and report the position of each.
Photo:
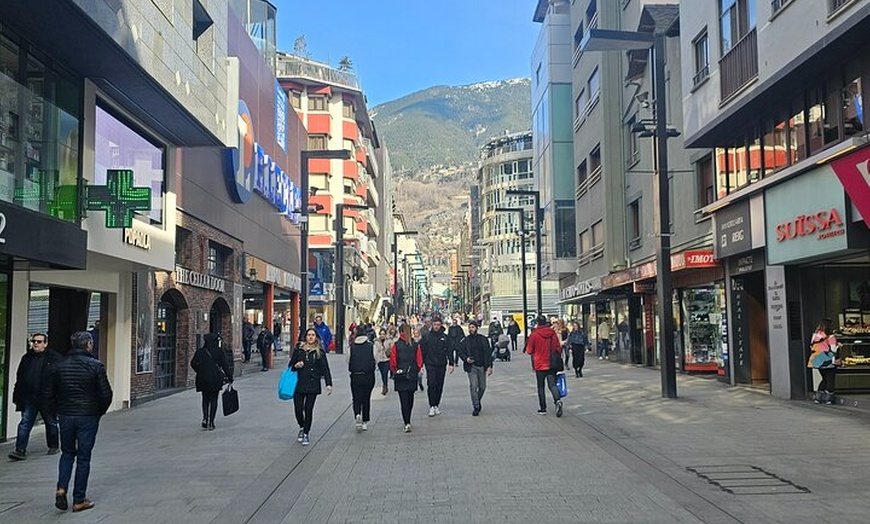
(118, 146)
(581, 173)
(585, 242)
(598, 234)
(706, 191)
(775, 144)
(777, 5)
(702, 58)
(836, 5)
(822, 120)
(632, 155)
(592, 14)
(578, 36)
(316, 103)
(853, 108)
(736, 19)
(797, 129)
(580, 105)
(595, 159)
(296, 99)
(217, 259)
(348, 188)
(347, 109)
(634, 229)
(317, 142)
(566, 226)
(203, 34)
(593, 86)
(182, 245)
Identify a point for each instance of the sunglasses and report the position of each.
(38, 341)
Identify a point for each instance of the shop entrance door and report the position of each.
(759, 352)
(165, 346)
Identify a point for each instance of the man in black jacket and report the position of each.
(455, 334)
(31, 380)
(436, 357)
(79, 392)
(476, 356)
(264, 346)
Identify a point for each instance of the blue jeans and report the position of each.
(603, 347)
(78, 433)
(28, 417)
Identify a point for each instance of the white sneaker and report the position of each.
(432, 411)
(365, 426)
(406, 429)
(358, 422)
(437, 410)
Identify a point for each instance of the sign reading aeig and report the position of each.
(250, 169)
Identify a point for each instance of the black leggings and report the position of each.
(829, 376)
(209, 405)
(578, 352)
(361, 387)
(406, 399)
(304, 404)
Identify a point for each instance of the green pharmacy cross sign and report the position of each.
(118, 198)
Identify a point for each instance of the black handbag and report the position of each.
(230, 400)
(556, 363)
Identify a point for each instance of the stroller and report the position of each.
(501, 348)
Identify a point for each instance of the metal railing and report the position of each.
(834, 5)
(292, 66)
(739, 65)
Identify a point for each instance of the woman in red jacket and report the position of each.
(406, 361)
(544, 342)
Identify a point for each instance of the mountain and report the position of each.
(446, 125)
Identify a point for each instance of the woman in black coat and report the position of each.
(406, 361)
(361, 366)
(309, 360)
(211, 374)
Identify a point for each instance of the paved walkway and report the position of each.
(621, 454)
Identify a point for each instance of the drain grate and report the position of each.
(744, 479)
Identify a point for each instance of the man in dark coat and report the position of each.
(31, 381)
(513, 331)
(476, 357)
(455, 334)
(247, 339)
(264, 346)
(436, 358)
(79, 392)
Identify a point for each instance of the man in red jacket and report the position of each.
(542, 343)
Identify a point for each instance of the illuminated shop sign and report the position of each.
(822, 225)
(249, 169)
(118, 198)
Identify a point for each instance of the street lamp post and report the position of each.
(468, 285)
(608, 40)
(305, 156)
(396, 235)
(537, 225)
(522, 213)
(339, 270)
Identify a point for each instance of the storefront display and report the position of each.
(702, 310)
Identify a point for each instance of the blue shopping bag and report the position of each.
(287, 384)
(562, 384)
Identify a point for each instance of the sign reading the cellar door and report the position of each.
(192, 278)
(805, 217)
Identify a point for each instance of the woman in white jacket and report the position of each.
(383, 345)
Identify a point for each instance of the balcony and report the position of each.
(370, 152)
(739, 66)
(295, 67)
(374, 227)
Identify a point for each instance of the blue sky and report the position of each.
(401, 46)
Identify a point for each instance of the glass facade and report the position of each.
(118, 146)
(703, 312)
(40, 121)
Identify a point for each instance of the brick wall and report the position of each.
(192, 304)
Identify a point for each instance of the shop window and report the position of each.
(823, 128)
(295, 99)
(775, 145)
(40, 116)
(797, 129)
(706, 183)
(853, 108)
(347, 110)
(634, 224)
(118, 145)
(703, 317)
(317, 142)
(317, 103)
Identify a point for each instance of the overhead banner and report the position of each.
(854, 173)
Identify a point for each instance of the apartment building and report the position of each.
(333, 109)
(773, 111)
